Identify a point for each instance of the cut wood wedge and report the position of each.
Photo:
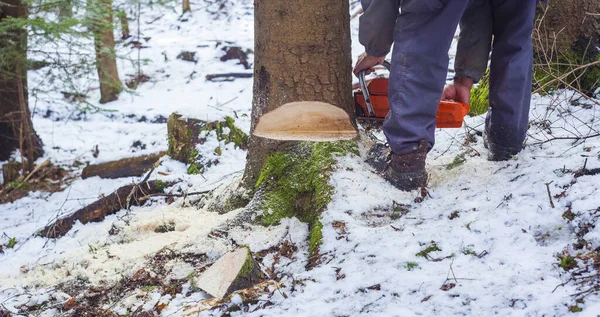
(306, 121)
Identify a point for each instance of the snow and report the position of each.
(498, 233)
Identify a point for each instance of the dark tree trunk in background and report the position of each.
(16, 128)
(185, 4)
(568, 33)
(101, 15)
(569, 25)
(302, 52)
(124, 25)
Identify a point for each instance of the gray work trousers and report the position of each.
(423, 33)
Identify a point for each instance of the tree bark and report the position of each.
(10, 172)
(568, 25)
(186, 6)
(16, 128)
(101, 16)
(567, 35)
(125, 34)
(297, 61)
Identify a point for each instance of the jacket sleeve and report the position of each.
(376, 25)
(474, 42)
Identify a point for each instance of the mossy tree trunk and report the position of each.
(101, 22)
(16, 128)
(302, 52)
(567, 35)
(125, 34)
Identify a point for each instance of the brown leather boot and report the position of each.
(407, 171)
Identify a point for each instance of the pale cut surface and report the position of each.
(306, 121)
(219, 276)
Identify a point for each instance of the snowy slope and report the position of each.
(498, 235)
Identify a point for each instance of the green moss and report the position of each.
(296, 184)
(479, 96)
(161, 185)
(12, 242)
(432, 248)
(195, 165)
(545, 74)
(316, 237)
(458, 160)
(147, 288)
(575, 309)
(237, 136)
(567, 262)
(411, 266)
(248, 264)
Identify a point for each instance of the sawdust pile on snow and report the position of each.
(93, 255)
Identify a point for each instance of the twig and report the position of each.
(569, 138)
(549, 194)
(397, 229)
(174, 195)
(229, 76)
(36, 169)
(562, 285)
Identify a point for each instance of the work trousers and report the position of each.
(423, 34)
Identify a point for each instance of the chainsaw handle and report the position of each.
(365, 90)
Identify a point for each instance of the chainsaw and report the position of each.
(320, 121)
(371, 103)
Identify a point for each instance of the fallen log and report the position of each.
(124, 197)
(133, 166)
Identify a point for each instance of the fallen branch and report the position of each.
(37, 169)
(135, 166)
(549, 194)
(228, 76)
(122, 198)
(174, 195)
(577, 138)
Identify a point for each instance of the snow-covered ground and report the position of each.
(495, 229)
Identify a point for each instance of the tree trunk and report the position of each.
(101, 15)
(124, 25)
(16, 128)
(569, 25)
(296, 61)
(186, 6)
(567, 35)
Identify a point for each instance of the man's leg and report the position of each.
(510, 77)
(422, 37)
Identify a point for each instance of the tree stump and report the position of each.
(180, 138)
(10, 172)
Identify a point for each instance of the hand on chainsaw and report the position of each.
(366, 62)
(459, 90)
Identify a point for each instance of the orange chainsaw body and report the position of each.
(450, 113)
